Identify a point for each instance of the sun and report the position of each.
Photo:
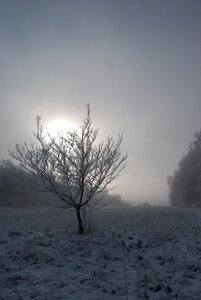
(59, 126)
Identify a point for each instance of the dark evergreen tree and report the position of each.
(185, 184)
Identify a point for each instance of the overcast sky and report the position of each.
(137, 62)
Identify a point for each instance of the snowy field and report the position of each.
(132, 253)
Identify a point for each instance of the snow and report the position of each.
(154, 251)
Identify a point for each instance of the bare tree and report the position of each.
(73, 166)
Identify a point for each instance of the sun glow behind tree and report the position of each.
(59, 126)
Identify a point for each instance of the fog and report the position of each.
(138, 64)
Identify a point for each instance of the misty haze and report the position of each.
(100, 157)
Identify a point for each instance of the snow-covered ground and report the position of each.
(132, 253)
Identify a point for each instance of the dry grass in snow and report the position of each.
(132, 253)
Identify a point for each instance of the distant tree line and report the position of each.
(185, 184)
(19, 187)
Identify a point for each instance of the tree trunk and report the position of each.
(80, 224)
